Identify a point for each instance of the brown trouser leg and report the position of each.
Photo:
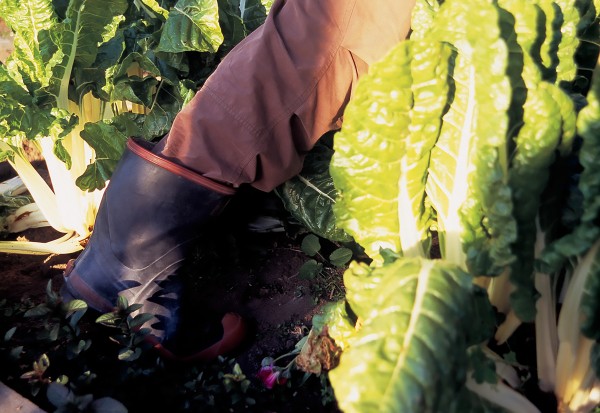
(282, 88)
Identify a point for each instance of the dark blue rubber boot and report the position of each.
(151, 212)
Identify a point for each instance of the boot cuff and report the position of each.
(143, 148)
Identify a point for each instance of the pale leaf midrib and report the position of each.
(415, 315)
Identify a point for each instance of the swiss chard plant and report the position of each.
(472, 134)
(84, 77)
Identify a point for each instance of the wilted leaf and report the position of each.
(319, 353)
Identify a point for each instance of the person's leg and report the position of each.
(282, 88)
(264, 107)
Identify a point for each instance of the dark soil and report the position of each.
(231, 269)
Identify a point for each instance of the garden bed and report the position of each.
(232, 269)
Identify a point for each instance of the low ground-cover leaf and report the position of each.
(412, 341)
(310, 269)
(310, 245)
(340, 256)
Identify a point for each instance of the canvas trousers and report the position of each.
(284, 86)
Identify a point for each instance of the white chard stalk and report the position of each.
(574, 375)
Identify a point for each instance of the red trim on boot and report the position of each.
(84, 291)
(136, 146)
(234, 333)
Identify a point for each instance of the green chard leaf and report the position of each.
(20, 117)
(77, 39)
(590, 302)
(192, 26)
(154, 7)
(412, 340)
(383, 151)
(423, 16)
(28, 63)
(311, 195)
(109, 144)
(543, 119)
(255, 12)
(566, 68)
(231, 23)
(587, 232)
(468, 176)
(134, 87)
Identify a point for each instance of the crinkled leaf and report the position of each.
(383, 152)
(587, 232)
(108, 141)
(27, 19)
(134, 80)
(109, 144)
(423, 16)
(19, 116)
(412, 342)
(467, 182)
(91, 18)
(128, 124)
(158, 122)
(566, 68)
(541, 120)
(96, 174)
(310, 196)
(193, 25)
(77, 38)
